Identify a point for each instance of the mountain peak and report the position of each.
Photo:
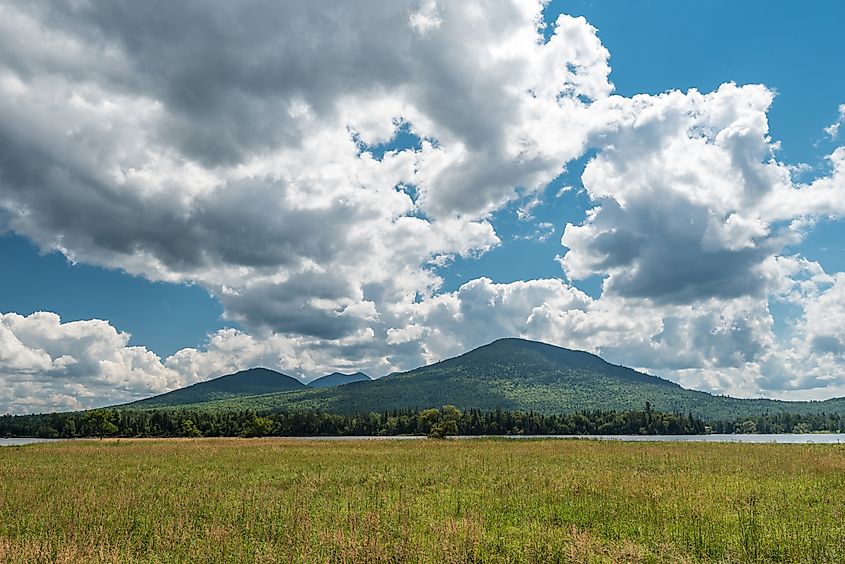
(507, 347)
(338, 379)
(249, 382)
(512, 373)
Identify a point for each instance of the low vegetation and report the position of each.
(286, 500)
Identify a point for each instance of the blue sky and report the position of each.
(655, 46)
(246, 196)
(164, 317)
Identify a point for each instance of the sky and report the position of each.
(189, 189)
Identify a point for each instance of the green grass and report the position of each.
(279, 500)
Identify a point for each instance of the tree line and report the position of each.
(782, 423)
(432, 422)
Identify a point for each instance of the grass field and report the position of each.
(277, 500)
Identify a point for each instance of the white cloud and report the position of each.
(427, 18)
(832, 130)
(690, 199)
(47, 365)
(232, 156)
(669, 339)
(718, 345)
(810, 361)
(173, 144)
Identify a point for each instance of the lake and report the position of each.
(24, 441)
(814, 438)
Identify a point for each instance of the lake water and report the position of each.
(809, 438)
(24, 441)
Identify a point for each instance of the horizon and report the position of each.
(188, 190)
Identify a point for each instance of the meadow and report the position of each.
(478, 500)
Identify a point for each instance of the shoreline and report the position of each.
(770, 438)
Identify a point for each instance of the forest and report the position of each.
(431, 422)
(782, 423)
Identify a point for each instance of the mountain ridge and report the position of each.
(517, 374)
(338, 379)
(244, 383)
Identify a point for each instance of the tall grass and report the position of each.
(277, 500)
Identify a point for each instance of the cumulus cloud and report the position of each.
(690, 199)
(226, 145)
(236, 146)
(832, 130)
(668, 339)
(49, 365)
(718, 345)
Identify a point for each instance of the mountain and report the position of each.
(252, 382)
(338, 379)
(516, 374)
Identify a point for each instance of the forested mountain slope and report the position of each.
(516, 374)
(250, 382)
(338, 379)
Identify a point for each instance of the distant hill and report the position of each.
(252, 382)
(338, 379)
(516, 374)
